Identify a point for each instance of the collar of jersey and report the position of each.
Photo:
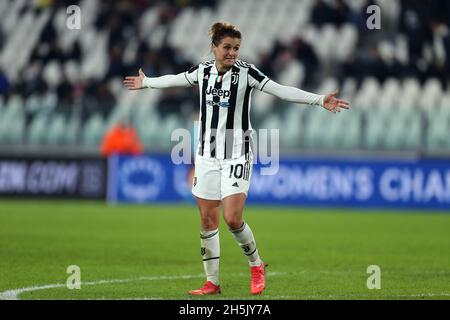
(214, 70)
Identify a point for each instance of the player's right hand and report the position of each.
(135, 83)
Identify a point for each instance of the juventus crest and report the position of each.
(235, 78)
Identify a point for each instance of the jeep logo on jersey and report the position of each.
(218, 92)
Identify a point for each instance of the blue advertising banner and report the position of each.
(148, 178)
(388, 183)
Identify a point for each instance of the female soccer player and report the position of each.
(223, 162)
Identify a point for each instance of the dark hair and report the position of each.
(220, 30)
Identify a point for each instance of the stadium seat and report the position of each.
(93, 131)
(14, 129)
(37, 130)
(72, 130)
(290, 134)
(431, 96)
(410, 93)
(348, 132)
(389, 94)
(56, 130)
(438, 130)
(262, 104)
(313, 133)
(328, 85)
(387, 51)
(293, 74)
(403, 131)
(149, 129)
(348, 38)
(375, 129)
(52, 73)
(272, 121)
(72, 71)
(348, 90)
(368, 94)
(168, 126)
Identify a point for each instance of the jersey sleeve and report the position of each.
(192, 75)
(167, 81)
(256, 79)
(293, 94)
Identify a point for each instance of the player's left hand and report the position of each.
(333, 104)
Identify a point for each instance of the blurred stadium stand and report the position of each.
(61, 89)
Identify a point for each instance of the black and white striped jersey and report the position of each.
(225, 131)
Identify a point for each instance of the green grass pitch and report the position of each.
(153, 252)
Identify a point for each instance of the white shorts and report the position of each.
(215, 179)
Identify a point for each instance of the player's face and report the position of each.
(227, 52)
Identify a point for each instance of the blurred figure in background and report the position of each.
(123, 139)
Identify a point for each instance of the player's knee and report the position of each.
(209, 223)
(233, 222)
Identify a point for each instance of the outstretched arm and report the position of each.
(329, 101)
(168, 81)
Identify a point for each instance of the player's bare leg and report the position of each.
(209, 213)
(233, 207)
(210, 247)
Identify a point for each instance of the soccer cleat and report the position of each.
(208, 288)
(258, 281)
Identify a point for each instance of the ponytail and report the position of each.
(220, 30)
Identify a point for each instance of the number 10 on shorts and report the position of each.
(240, 171)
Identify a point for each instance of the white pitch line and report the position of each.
(331, 297)
(416, 295)
(14, 293)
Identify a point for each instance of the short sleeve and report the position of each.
(256, 79)
(192, 76)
